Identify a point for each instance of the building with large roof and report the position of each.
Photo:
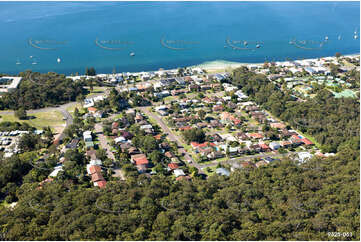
(9, 83)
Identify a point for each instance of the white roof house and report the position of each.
(274, 145)
(96, 162)
(119, 139)
(304, 156)
(56, 170)
(146, 126)
(9, 83)
(178, 172)
(163, 107)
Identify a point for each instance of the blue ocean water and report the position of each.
(170, 34)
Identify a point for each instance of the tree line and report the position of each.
(38, 90)
(281, 201)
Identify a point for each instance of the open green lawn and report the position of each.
(96, 90)
(118, 116)
(170, 98)
(212, 170)
(54, 119)
(71, 108)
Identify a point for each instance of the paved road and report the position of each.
(68, 121)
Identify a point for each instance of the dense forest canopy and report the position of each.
(41, 90)
(282, 201)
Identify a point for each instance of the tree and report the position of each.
(196, 135)
(90, 71)
(155, 156)
(21, 114)
(338, 55)
(48, 134)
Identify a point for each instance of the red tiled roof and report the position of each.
(306, 141)
(205, 144)
(296, 137)
(183, 178)
(173, 166)
(101, 184)
(92, 109)
(168, 154)
(264, 146)
(140, 159)
(158, 136)
(97, 177)
(94, 169)
(256, 135)
(185, 128)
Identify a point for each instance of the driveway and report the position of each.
(105, 145)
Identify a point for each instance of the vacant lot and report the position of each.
(54, 119)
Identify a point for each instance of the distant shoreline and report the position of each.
(221, 65)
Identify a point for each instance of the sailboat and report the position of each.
(18, 62)
(58, 60)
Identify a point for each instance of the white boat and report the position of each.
(132, 54)
(31, 57)
(257, 46)
(18, 62)
(355, 36)
(58, 60)
(339, 37)
(326, 38)
(245, 43)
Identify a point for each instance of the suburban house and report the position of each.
(274, 145)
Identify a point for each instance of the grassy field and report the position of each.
(96, 90)
(211, 172)
(54, 119)
(71, 108)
